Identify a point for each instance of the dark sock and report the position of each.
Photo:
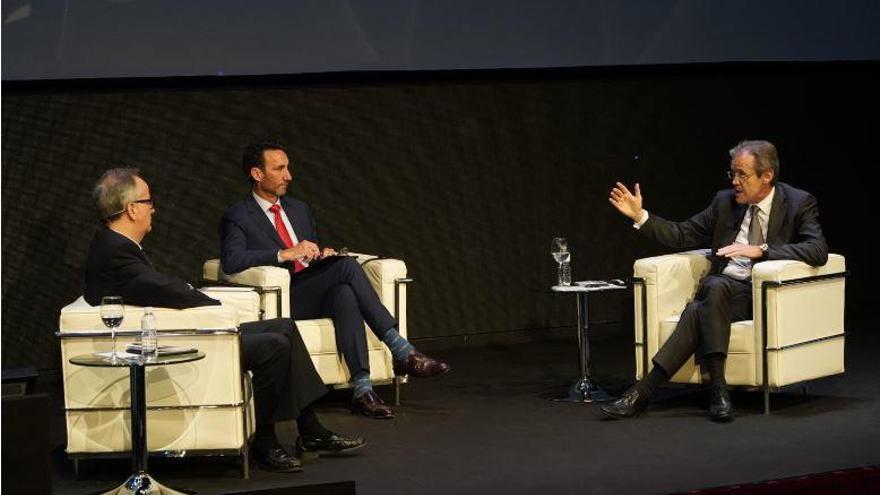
(264, 436)
(648, 385)
(715, 364)
(309, 425)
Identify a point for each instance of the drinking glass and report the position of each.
(112, 312)
(559, 250)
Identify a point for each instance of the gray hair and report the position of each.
(114, 191)
(764, 153)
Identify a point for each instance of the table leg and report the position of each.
(583, 389)
(140, 482)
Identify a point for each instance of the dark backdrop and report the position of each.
(466, 176)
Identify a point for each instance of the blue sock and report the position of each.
(361, 384)
(399, 346)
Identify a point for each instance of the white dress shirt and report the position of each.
(265, 205)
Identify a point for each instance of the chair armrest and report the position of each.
(781, 270)
(672, 279)
(244, 300)
(261, 277)
(79, 316)
(803, 311)
(385, 275)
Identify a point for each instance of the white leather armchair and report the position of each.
(796, 332)
(387, 276)
(199, 408)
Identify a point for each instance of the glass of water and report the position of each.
(112, 312)
(560, 252)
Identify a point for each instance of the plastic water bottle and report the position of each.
(149, 336)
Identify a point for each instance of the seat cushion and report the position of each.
(319, 336)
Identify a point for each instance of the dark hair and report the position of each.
(114, 191)
(253, 156)
(765, 155)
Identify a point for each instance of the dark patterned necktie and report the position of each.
(756, 235)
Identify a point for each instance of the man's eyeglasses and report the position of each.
(114, 216)
(738, 175)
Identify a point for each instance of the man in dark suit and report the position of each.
(759, 219)
(285, 381)
(267, 228)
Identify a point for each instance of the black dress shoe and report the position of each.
(720, 405)
(276, 459)
(332, 445)
(629, 405)
(421, 366)
(371, 405)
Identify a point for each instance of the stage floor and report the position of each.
(489, 427)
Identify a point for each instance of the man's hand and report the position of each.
(626, 202)
(328, 252)
(741, 250)
(305, 251)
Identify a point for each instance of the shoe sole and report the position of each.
(618, 416)
(327, 453)
(272, 469)
(371, 416)
(724, 418)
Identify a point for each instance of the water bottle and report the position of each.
(149, 337)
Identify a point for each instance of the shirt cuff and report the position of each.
(280, 259)
(642, 220)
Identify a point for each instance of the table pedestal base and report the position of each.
(583, 390)
(143, 484)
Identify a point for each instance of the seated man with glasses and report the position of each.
(284, 378)
(758, 219)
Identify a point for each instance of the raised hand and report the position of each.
(626, 202)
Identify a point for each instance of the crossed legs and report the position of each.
(703, 331)
(339, 290)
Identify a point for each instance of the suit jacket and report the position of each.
(794, 231)
(248, 238)
(118, 267)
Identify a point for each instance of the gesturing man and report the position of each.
(285, 381)
(267, 228)
(759, 219)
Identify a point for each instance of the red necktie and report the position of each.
(284, 235)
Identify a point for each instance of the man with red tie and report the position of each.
(268, 228)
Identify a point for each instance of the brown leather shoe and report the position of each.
(371, 405)
(419, 365)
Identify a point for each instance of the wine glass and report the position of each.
(559, 250)
(112, 312)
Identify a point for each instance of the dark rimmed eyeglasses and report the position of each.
(148, 201)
